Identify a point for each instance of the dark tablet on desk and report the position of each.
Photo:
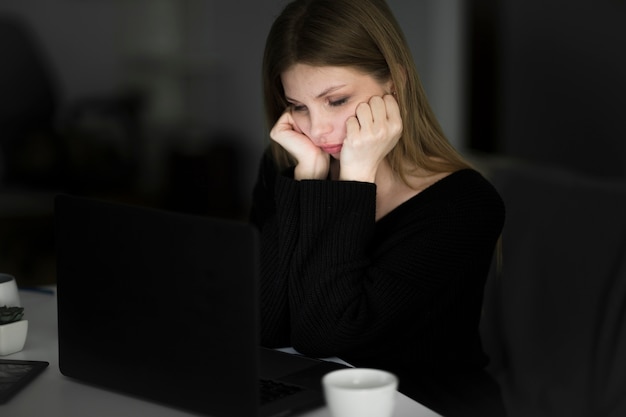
(15, 375)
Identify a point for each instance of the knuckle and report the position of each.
(362, 107)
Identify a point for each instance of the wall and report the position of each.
(78, 37)
(92, 46)
(435, 30)
(562, 85)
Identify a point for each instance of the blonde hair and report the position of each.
(361, 34)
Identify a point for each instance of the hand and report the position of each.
(370, 135)
(312, 162)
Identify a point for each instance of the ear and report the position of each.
(390, 87)
(400, 79)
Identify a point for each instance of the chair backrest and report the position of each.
(28, 98)
(555, 318)
(27, 87)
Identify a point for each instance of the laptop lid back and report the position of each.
(159, 305)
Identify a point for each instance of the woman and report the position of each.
(376, 235)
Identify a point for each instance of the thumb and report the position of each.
(352, 126)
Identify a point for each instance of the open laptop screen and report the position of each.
(158, 304)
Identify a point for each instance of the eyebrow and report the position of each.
(323, 93)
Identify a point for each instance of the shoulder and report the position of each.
(465, 195)
(465, 184)
(468, 194)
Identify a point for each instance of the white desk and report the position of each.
(53, 395)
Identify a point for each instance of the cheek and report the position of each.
(334, 124)
(346, 114)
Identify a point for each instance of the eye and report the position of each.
(298, 108)
(337, 103)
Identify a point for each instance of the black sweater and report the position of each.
(403, 293)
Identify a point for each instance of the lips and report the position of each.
(332, 149)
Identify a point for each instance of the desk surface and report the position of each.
(52, 394)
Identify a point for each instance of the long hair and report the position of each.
(364, 35)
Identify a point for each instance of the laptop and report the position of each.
(163, 306)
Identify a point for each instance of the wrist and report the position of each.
(317, 171)
(357, 174)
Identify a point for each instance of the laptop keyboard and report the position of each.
(274, 390)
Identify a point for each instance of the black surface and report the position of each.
(16, 374)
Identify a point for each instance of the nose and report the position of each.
(321, 127)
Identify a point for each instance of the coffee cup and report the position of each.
(361, 392)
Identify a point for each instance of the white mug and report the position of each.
(360, 392)
(9, 295)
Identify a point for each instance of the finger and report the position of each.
(292, 123)
(284, 123)
(283, 128)
(352, 127)
(364, 114)
(287, 119)
(393, 113)
(278, 127)
(377, 106)
(391, 107)
(283, 119)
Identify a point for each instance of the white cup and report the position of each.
(360, 392)
(9, 295)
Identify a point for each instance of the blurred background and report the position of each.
(158, 102)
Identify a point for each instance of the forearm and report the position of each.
(329, 264)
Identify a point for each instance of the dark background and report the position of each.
(158, 102)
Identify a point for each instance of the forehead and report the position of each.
(309, 80)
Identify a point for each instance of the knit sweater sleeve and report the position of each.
(314, 238)
(330, 283)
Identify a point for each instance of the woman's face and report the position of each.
(323, 98)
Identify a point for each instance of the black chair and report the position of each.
(30, 150)
(555, 317)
